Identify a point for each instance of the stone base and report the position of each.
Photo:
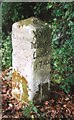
(42, 93)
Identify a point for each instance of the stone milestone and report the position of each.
(30, 59)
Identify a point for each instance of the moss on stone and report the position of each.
(31, 20)
(26, 21)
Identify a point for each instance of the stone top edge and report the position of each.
(29, 21)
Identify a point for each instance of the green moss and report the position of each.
(28, 21)
(31, 20)
(25, 22)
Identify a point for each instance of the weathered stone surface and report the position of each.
(31, 56)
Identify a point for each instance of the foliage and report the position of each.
(20, 11)
(6, 52)
(30, 110)
(60, 16)
(62, 46)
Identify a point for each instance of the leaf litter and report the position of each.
(59, 105)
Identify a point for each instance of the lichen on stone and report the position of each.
(19, 86)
